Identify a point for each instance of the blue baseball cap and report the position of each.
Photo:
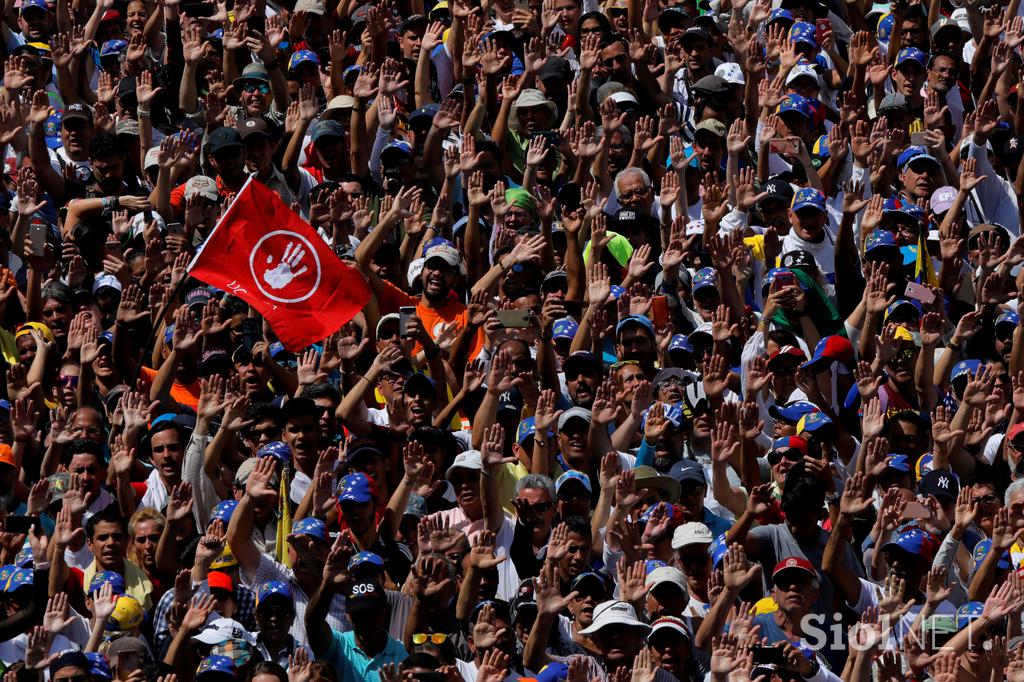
(38, 4)
(705, 278)
(116, 581)
(880, 239)
(274, 589)
(914, 152)
(681, 343)
(223, 511)
(911, 54)
(813, 422)
(573, 475)
(279, 450)
(215, 664)
(902, 305)
(526, 429)
(1008, 317)
(21, 577)
(982, 549)
(670, 510)
(651, 564)
(898, 463)
(769, 279)
(885, 25)
(51, 130)
(617, 291)
(796, 103)
(803, 32)
(357, 488)
(564, 328)
(970, 611)
(24, 558)
(808, 197)
(792, 412)
(553, 672)
(6, 571)
(99, 666)
(362, 558)
(780, 15)
(914, 540)
(302, 56)
(397, 146)
(311, 526)
(639, 320)
(902, 207)
(113, 48)
(965, 368)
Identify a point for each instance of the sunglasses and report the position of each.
(433, 637)
(68, 380)
(261, 88)
(776, 456)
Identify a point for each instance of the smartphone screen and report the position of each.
(405, 313)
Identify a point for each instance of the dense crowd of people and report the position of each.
(692, 348)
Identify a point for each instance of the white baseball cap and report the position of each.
(666, 575)
(731, 73)
(470, 459)
(802, 70)
(671, 623)
(614, 612)
(415, 268)
(693, 533)
(221, 630)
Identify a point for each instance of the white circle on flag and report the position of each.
(285, 267)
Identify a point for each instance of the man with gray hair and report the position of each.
(534, 502)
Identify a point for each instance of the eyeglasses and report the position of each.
(256, 434)
(776, 456)
(947, 71)
(542, 507)
(68, 380)
(635, 194)
(434, 637)
(261, 88)
(147, 539)
(672, 382)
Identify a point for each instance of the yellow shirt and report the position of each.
(137, 585)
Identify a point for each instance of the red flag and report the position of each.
(268, 256)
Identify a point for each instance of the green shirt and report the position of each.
(352, 663)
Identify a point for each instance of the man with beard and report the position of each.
(109, 189)
(307, 549)
(635, 340)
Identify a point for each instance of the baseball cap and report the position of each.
(688, 470)
(365, 559)
(216, 666)
(223, 138)
(968, 612)
(780, 445)
(939, 483)
(731, 73)
(580, 362)
(327, 128)
(808, 197)
(301, 57)
(803, 32)
(982, 550)
(802, 71)
(127, 615)
(834, 348)
(649, 477)
(274, 590)
(894, 101)
(571, 476)
(357, 487)
(914, 152)
(813, 422)
(914, 540)
(220, 630)
(614, 612)
(712, 126)
(469, 459)
(99, 666)
(666, 575)
(911, 55)
(880, 239)
(692, 533)
(573, 413)
(794, 352)
(635, 320)
(445, 252)
(564, 328)
(115, 580)
(705, 278)
(364, 596)
(225, 560)
(312, 526)
(277, 449)
(670, 624)
(38, 4)
(793, 563)
(217, 580)
(795, 103)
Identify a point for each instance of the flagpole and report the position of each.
(173, 294)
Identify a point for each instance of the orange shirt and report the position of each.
(177, 198)
(393, 298)
(183, 394)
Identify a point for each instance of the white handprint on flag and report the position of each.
(284, 272)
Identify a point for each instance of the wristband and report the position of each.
(143, 113)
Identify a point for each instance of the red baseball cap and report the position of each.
(787, 351)
(217, 580)
(794, 563)
(1015, 431)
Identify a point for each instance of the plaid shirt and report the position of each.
(245, 613)
(268, 569)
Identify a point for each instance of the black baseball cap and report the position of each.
(223, 138)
